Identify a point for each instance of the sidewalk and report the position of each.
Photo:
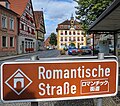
(15, 56)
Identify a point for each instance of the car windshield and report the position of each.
(85, 47)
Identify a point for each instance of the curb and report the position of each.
(11, 57)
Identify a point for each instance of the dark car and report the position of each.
(96, 49)
(73, 50)
(86, 50)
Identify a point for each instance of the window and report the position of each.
(65, 38)
(4, 41)
(28, 30)
(26, 44)
(72, 22)
(61, 26)
(11, 24)
(61, 38)
(11, 42)
(7, 5)
(78, 33)
(4, 22)
(68, 26)
(61, 32)
(81, 43)
(32, 32)
(69, 38)
(31, 45)
(65, 32)
(78, 39)
(82, 39)
(22, 26)
(70, 33)
(74, 33)
(74, 39)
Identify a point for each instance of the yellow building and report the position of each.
(69, 33)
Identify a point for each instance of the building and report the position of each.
(8, 29)
(70, 32)
(89, 40)
(26, 25)
(47, 44)
(40, 29)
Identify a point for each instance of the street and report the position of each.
(40, 54)
(47, 54)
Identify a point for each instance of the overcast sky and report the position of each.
(55, 12)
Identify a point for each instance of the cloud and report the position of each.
(55, 12)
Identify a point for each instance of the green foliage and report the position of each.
(89, 10)
(72, 44)
(53, 39)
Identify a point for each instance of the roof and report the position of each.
(18, 75)
(38, 17)
(18, 5)
(68, 22)
(109, 20)
(4, 8)
(39, 20)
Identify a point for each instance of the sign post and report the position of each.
(58, 79)
(34, 58)
(101, 57)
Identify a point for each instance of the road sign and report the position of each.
(58, 80)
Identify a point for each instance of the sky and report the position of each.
(55, 12)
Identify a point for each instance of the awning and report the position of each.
(109, 20)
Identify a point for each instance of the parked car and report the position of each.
(62, 52)
(65, 48)
(86, 50)
(96, 49)
(73, 50)
(111, 48)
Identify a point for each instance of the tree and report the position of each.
(72, 44)
(89, 10)
(53, 39)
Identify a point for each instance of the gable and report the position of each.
(18, 6)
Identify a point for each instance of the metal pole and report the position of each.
(115, 43)
(34, 58)
(34, 103)
(93, 44)
(100, 57)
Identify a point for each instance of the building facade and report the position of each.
(89, 40)
(26, 25)
(69, 33)
(8, 29)
(40, 29)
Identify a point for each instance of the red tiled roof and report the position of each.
(9, 10)
(38, 18)
(18, 5)
(66, 23)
